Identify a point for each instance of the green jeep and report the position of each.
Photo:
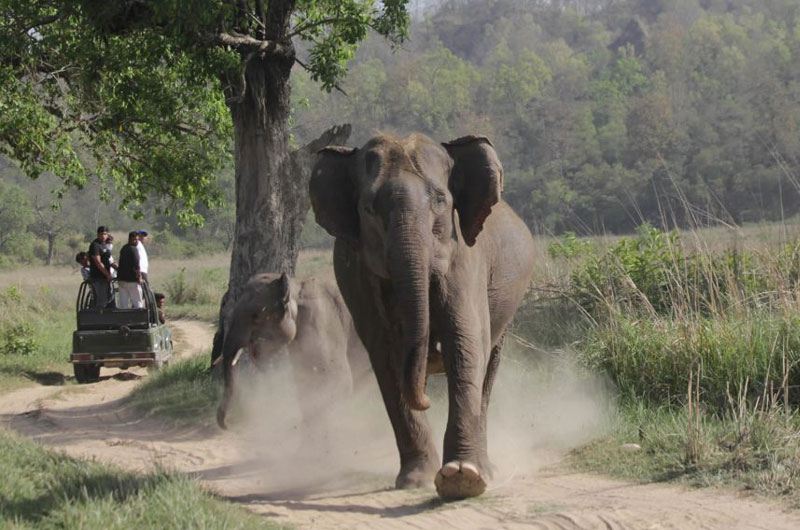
(117, 338)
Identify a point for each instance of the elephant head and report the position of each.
(407, 206)
(263, 322)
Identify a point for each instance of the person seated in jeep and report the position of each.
(161, 301)
(82, 258)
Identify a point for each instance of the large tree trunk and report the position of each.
(271, 181)
(266, 202)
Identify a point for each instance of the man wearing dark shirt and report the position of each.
(129, 275)
(100, 270)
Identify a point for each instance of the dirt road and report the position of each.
(272, 472)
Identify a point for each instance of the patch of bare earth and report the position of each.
(90, 421)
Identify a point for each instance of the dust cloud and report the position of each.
(542, 405)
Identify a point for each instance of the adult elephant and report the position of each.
(432, 265)
(306, 320)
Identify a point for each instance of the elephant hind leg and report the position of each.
(488, 382)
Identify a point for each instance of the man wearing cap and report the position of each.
(129, 274)
(143, 263)
(100, 269)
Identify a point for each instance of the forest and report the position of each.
(606, 114)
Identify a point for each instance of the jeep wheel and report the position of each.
(86, 373)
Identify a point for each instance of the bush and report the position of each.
(756, 355)
(206, 287)
(19, 340)
(653, 272)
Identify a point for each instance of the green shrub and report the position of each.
(204, 287)
(19, 340)
(569, 246)
(653, 272)
(756, 355)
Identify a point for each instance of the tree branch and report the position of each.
(301, 28)
(310, 71)
(247, 44)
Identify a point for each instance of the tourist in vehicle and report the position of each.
(109, 246)
(143, 262)
(82, 258)
(161, 302)
(130, 274)
(100, 270)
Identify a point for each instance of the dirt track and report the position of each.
(90, 421)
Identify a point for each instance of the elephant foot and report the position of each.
(459, 480)
(415, 476)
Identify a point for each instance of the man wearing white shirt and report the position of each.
(143, 254)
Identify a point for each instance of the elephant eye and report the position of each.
(438, 202)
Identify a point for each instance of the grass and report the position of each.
(700, 332)
(652, 359)
(194, 289)
(752, 449)
(183, 391)
(42, 489)
(35, 335)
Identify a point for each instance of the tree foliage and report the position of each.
(606, 114)
(137, 92)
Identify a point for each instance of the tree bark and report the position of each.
(271, 181)
(51, 244)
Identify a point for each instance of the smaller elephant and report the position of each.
(306, 319)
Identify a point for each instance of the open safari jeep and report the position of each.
(117, 337)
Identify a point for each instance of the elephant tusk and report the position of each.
(236, 357)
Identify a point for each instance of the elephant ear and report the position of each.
(333, 193)
(476, 182)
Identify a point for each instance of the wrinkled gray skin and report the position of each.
(308, 321)
(432, 265)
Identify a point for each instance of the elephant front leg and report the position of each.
(418, 455)
(465, 468)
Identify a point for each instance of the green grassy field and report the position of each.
(45, 490)
(698, 331)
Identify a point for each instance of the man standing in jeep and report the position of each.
(100, 269)
(129, 274)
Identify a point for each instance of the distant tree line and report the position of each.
(606, 114)
(43, 222)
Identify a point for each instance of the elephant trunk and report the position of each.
(231, 346)
(409, 268)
